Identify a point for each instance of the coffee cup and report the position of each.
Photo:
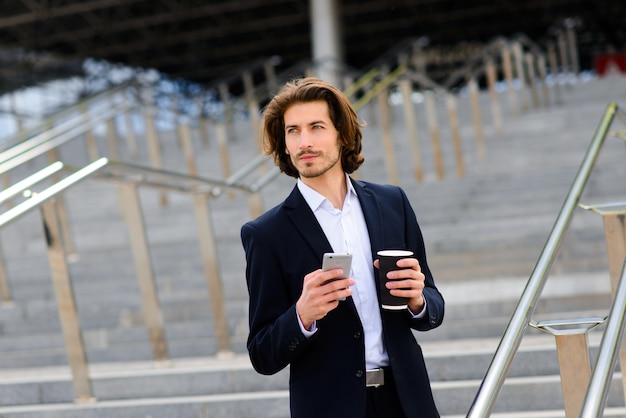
(388, 260)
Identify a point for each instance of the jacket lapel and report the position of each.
(372, 215)
(305, 222)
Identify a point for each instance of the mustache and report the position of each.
(313, 153)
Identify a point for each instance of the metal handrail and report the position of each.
(494, 379)
(45, 142)
(38, 199)
(23, 135)
(597, 391)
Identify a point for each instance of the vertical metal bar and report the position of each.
(385, 125)
(143, 265)
(554, 70)
(476, 117)
(575, 368)
(563, 52)
(90, 139)
(208, 250)
(456, 134)
(507, 68)
(521, 77)
(112, 139)
(411, 127)
(532, 85)
(433, 127)
(541, 66)
(131, 138)
(573, 51)
(184, 133)
(66, 304)
(615, 239)
(222, 142)
(154, 147)
(228, 110)
(496, 113)
(64, 222)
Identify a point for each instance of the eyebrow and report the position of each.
(314, 122)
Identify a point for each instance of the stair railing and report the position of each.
(128, 178)
(493, 381)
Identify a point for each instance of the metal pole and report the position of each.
(66, 303)
(496, 113)
(477, 118)
(151, 309)
(456, 134)
(411, 127)
(431, 117)
(385, 125)
(208, 249)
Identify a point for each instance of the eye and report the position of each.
(317, 126)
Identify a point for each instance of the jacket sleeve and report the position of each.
(275, 337)
(434, 300)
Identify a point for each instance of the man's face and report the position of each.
(311, 140)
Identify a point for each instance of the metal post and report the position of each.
(507, 68)
(521, 77)
(112, 140)
(222, 142)
(532, 85)
(496, 113)
(64, 222)
(92, 147)
(476, 116)
(153, 140)
(411, 127)
(385, 125)
(184, 134)
(541, 67)
(131, 139)
(573, 353)
(456, 134)
(554, 70)
(431, 117)
(151, 309)
(66, 304)
(208, 250)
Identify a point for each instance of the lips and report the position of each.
(307, 156)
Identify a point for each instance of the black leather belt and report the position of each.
(375, 378)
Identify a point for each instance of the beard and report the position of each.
(317, 168)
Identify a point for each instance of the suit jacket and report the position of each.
(327, 371)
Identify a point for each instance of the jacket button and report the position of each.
(357, 335)
(359, 373)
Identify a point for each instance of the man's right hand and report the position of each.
(321, 291)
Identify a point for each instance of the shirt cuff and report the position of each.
(305, 331)
(421, 314)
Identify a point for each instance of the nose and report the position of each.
(306, 140)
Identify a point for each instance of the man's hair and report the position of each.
(341, 113)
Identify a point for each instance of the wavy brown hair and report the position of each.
(341, 112)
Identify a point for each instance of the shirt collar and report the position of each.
(314, 199)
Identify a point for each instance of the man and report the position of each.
(347, 358)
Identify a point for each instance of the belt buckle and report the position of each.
(374, 378)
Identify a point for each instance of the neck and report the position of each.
(333, 188)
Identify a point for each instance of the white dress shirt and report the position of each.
(346, 231)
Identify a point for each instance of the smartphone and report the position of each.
(338, 260)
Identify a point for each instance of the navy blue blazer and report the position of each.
(327, 371)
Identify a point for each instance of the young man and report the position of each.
(347, 358)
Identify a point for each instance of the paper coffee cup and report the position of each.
(387, 260)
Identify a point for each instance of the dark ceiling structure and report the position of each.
(205, 40)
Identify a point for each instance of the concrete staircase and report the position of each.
(484, 233)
